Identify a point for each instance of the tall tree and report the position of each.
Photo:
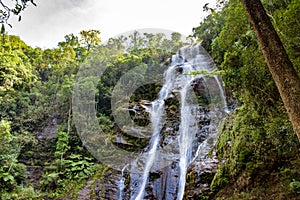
(280, 66)
(90, 38)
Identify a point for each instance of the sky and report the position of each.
(47, 24)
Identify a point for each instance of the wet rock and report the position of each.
(48, 131)
(135, 137)
(172, 107)
(179, 69)
(155, 175)
(199, 86)
(139, 112)
(108, 186)
(201, 91)
(199, 177)
(85, 192)
(165, 186)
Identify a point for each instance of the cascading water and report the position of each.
(175, 152)
(156, 113)
(122, 183)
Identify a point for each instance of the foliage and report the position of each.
(36, 87)
(205, 72)
(90, 38)
(295, 186)
(74, 167)
(21, 193)
(219, 180)
(258, 131)
(11, 171)
(66, 166)
(62, 144)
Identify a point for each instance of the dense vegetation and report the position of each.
(257, 142)
(41, 155)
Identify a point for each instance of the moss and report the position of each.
(172, 112)
(220, 179)
(191, 177)
(252, 149)
(203, 197)
(99, 174)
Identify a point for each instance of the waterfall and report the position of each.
(184, 146)
(186, 138)
(156, 113)
(122, 183)
(223, 98)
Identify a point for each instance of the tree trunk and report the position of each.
(280, 66)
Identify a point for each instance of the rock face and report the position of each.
(108, 188)
(199, 176)
(163, 183)
(85, 193)
(48, 131)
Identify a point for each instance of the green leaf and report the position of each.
(7, 177)
(76, 169)
(75, 156)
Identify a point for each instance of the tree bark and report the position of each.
(280, 66)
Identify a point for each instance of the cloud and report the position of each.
(48, 23)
